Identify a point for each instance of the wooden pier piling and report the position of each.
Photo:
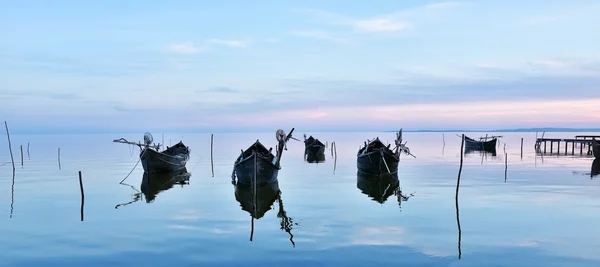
(581, 141)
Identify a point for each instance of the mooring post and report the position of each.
(82, 194)
(59, 158)
(28, 156)
(212, 168)
(21, 156)
(462, 145)
(9, 146)
(521, 147)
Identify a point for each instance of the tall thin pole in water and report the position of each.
(59, 158)
(21, 156)
(212, 168)
(9, 146)
(82, 194)
(462, 144)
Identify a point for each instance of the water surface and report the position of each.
(543, 212)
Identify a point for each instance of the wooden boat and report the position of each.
(314, 158)
(257, 200)
(169, 160)
(488, 145)
(595, 148)
(313, 146)
(595, 167)
(376, 158)
(257, 164)
(154, 183)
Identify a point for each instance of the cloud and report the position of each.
(184, 48)
(230, 43)
(320, 35)
(221, 89)
(380, 25)
(393, 22)
(542, 20)
(441, 5)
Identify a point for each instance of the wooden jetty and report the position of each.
(584, 137)
(584, 142)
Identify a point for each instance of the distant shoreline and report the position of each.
(157, 132)
(529, 130)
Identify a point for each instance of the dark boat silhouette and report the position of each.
(595, 148)
(313, 146)
(154, 183)
(257, 164)
(153, 160)
(376, 158)
(257, 200)
(169, 160)
(311, 157)
(487, 145)
(595, 167)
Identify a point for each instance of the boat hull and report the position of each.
(265, 171)
(479, 145)
(596, 149)
(374, 162)
(153, 161)
(314, 157)
(314, 149)
(595, 167)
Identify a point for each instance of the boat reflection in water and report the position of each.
(595, 167)
(480, 151)
(154, 183)
(257, 201)
(381, 187)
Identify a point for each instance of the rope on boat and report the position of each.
(383, 158)
(138, 162)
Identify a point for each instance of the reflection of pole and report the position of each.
(254, 196)
(456, 196)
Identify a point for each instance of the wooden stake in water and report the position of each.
(505, 165)
(9, 146)
(521, 147)
(462, 145)
(82, 194)
(21, 156)
(59, 158)
(334, 146)
(28, 156)
(212, 168)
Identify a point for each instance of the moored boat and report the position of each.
(169, 160)
(488, 145)
(595, 167)
(595, 148)
(313, 146)
(375, 158)
(257, 164)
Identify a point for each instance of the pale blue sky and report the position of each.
(137, 65)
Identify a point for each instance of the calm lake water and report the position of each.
(544, 212)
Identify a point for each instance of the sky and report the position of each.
(317, 65)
